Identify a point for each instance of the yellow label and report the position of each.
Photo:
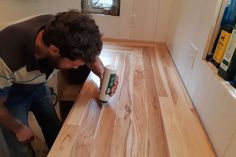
(221, 46)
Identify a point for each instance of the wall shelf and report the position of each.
(226, 84)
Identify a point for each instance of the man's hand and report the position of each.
(97, 68)
(115, 85)
(24, 134)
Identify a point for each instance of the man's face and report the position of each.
(66, 63)
(60, 62)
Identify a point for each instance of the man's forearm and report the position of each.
(97, 67)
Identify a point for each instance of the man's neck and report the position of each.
(41, 51)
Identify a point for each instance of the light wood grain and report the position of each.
(150, 115)
(156, 132)
(77, 139)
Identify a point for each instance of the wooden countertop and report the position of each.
(150, 115)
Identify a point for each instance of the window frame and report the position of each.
(114, 10)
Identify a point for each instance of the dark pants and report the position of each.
(35, 98)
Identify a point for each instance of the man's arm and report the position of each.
(97, 67)
(23, 133)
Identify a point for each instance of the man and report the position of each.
(29, 51)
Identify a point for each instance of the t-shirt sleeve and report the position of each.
(6, 78)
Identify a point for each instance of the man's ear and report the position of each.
(54, 51)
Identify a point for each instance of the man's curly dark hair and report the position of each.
(75, 34)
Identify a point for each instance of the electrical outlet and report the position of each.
(193, 54)
(188, 72)
(132, 20)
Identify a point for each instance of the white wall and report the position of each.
(11, 10)
(163, 17)
(190, 24)
(150, 23)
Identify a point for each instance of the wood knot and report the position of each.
(127, 111)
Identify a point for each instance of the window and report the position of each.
(102, 3)
(108, 7)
